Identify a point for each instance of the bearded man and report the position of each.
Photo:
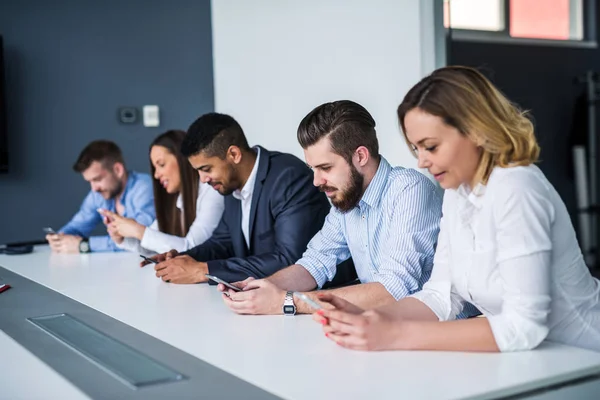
(113, 188)
(386, 218)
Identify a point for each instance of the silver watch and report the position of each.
(289, 308)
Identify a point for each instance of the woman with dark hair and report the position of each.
(187, 212)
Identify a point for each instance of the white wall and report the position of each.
(275, 60)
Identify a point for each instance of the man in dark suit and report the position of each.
(272, 209)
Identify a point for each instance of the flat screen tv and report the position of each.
(3, 127)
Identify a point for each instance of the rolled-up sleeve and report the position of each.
(524, 221)
(409, 249)
(326, 250)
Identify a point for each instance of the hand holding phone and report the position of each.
(150, 260)
(107, 216)
(308, 300)
(227, 284)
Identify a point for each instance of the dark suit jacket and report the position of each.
(287, 210)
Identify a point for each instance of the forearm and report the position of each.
(161, 242)
(472, 334)
(77, 227)
(408, 308)
(212, 249)
(295, 277)
(103, 243)
(366, 296)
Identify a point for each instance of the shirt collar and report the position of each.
(179, 202)
(474, 196)
(372, 195)
(248, 188)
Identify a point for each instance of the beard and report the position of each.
(113, 191)
(224, 191)
(347, 199)
(227, 189)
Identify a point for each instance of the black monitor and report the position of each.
(3, 124)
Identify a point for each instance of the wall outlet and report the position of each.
(151, 116)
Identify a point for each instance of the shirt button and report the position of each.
(363, 217)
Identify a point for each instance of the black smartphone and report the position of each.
(150, 260)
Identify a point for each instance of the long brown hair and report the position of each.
(466, 100)
(167, 213)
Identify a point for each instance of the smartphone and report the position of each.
(49, 231)
(150, 260)
(308, 300)
(219, 280)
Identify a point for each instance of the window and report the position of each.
(560, 20)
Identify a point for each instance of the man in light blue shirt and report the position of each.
(386, 219)
(127, 193)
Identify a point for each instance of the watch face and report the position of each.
(84, 246)
(289, 309)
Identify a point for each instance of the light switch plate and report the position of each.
(151, 116)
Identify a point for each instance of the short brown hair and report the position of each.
(104, 151)
(348, 125)
(466, 100)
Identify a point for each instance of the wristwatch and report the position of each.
(289, 308)
(84, 246)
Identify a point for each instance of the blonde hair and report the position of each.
(466, 100)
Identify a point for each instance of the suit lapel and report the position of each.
(261, 175)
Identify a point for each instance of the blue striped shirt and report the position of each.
(391, 235)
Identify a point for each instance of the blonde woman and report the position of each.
(506, 242)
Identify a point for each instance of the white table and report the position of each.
(287, 356)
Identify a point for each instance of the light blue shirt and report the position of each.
(391, 235)
(138, 199)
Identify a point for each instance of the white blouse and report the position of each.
(509, 248)
(209, 209)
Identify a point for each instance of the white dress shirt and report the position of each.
(245, 196)
(209, 209)
(510, 249)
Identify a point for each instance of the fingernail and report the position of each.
(327, 334)
(323, 321)
(320, 312)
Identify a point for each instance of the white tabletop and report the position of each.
(287, 356)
